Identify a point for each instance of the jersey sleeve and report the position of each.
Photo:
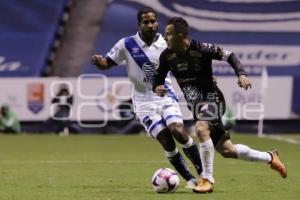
(162, 71)
(218, 53)
(215, 52)
(117, 52)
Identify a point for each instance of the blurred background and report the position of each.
(48, 85)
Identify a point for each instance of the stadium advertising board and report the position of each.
(97, 97)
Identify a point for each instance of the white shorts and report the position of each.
(157, 115)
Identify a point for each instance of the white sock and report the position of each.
(248, 154)
(207, 153)
(188, 144)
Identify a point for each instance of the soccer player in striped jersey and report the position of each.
(160, 116)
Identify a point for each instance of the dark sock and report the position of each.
(193, 154)
(178, 162)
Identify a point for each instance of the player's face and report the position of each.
(172, 39)
(148, 25)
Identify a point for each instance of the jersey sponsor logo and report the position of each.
(186, 80)
(182, 66)
(195, 54)
(137, 53)
(135, 50)
(191, 93)
(149, 71)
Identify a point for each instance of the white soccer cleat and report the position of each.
(191, 184)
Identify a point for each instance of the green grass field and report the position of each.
(40, 167)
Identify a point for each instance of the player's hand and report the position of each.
(96, 59)
(244, 82)
(160, 90)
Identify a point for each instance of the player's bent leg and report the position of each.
(243, 152)
(246, 153)
(177, 130)
(173, 118)
(166, 140)
(226, 148)
(207, 157)
(189, 147)
(156, 127)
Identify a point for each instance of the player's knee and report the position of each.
(177, 130)
(202, 126)
(202, 129)
(227, 152)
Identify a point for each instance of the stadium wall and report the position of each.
(97, 97)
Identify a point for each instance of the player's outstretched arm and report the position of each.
(100, 62)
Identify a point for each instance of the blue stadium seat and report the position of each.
(221, 22)
(27, 33)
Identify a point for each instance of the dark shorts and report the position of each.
(211, 107)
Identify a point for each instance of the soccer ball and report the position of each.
(165, 180)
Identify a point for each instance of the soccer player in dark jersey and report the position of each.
(190, 61)
(160, 116)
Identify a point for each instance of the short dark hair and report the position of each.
(145, 10)
(180, 25)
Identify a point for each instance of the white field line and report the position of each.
(281, 138)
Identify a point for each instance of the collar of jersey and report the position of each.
(141, 42)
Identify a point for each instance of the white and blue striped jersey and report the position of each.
(142, 61)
